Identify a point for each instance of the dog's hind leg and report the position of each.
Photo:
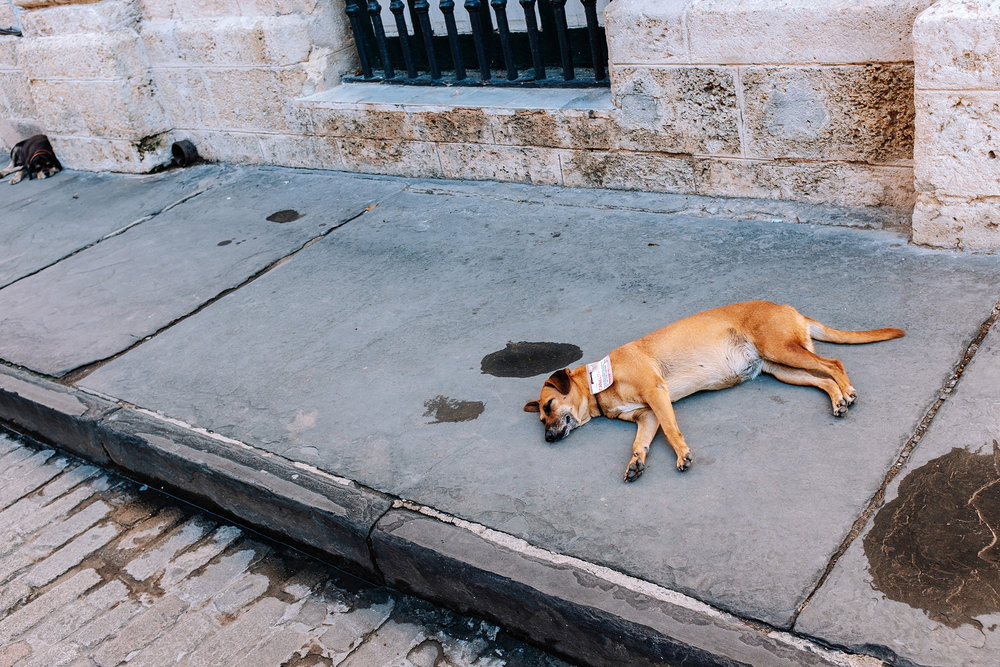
(804, 378)
(645, 432)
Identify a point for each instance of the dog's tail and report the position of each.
(822, 332)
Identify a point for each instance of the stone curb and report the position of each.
(572, 608)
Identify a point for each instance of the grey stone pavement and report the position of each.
(313, 354)
(98, 570)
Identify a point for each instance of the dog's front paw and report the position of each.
(684, 462)
(840, 409)
(635, 468)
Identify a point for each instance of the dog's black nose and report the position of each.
(550, 436)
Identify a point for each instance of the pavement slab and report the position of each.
(43, 221)
(922, 582)
(341, 357)
(100, 301)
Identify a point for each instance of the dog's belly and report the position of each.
(733, 363)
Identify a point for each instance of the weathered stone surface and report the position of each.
(79, 18)
(958, 147)
(842, 183)
(57, 413)
(857, 113)
(112, 109)
(628, 171)
(398, 158)
(270, 42)
(115, 55)
(761, 31)
(956, 222)
(331, 517)
(307, 152)
(373, 124)
(956, 45)
(256, 99)
(678, 110)
(522, 164)
(592, 129)
(454, 126)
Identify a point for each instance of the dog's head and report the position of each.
(35, 154)
(563, 405)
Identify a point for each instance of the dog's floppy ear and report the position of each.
(531, 406)
(560, 381)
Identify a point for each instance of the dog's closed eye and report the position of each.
(548, 408)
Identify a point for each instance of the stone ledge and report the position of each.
(570, 607)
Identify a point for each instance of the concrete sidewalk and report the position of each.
(314, 354)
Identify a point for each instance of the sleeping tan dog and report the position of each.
(715, 349)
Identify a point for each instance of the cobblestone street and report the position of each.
(96, 570)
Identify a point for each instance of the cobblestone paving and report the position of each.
(97, 570)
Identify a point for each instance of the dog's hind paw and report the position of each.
(635, 468)
(683, 463)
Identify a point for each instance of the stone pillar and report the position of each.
(957, 152)
(89, 84)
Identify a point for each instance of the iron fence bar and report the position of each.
(594, 33)
(354, 15)
(375, 12)
(500, 9)
(533, 44)
(397, 8)
(562, 35)
(448, 9)
(473, 7)
(422, 8)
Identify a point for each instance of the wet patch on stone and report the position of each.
(935, 547)
(449, 410)
(525, 359)
(287, 215)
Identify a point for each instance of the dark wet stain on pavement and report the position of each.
(524, 359)
(444, 409)
(288, 215)
(935, 547)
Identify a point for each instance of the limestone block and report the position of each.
(228, 42)
(802, 31)
(679, 109)
(106, 56)
(220, 146)
(562, 129)
(519, 164)
(955, 222)
(957, 45)
(110, 109)
(836, 183)
(958, 143)
(7, 17)
(96, 17)
(363, 123)
(258, 99)
(103, 154)
(450, 125)
(628, 171)
(15, 95)
(8, 51)
(849, 112)
(191, 9)
(185, 98)
(646, 32)
(396, 158)
(307, 152)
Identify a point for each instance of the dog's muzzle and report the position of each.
(559, 429)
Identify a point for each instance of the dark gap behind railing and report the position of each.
(547, 53)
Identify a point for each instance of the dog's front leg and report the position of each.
(9, 169)
(647, 425)
(659, 400)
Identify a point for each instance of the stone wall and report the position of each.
(782, 99)
(957, 94)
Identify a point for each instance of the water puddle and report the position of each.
(288, 215)
(444, 409)
(935, 547)
(524, 359)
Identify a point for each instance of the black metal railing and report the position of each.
(547, 53)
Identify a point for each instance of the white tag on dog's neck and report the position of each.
(599, 375)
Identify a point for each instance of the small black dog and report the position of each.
(33, 156)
